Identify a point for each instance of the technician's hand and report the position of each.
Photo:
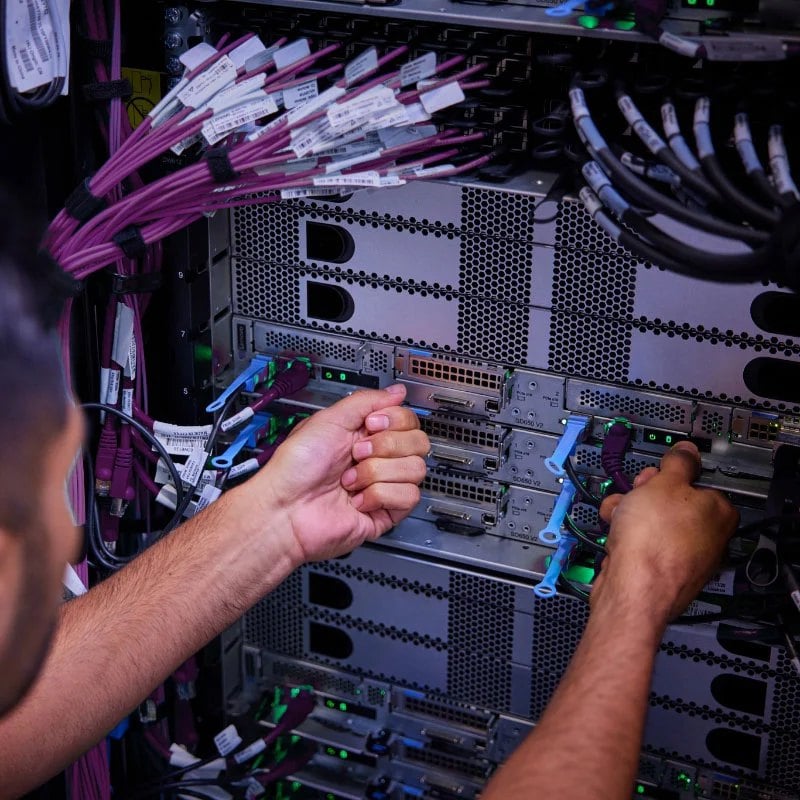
(666, 538)
(347, 474)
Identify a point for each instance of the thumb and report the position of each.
(353, 410)
(682, 463)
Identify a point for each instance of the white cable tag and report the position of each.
(684, 47)
(35, 50)
(73, 582)
(578, 104)
(227, 740)
(416, 113)
(306, 138)
(105, 376)
(721, 583)
(130, 364)
(302, 93)
(590, 200)
(420, 68)
(338, 166)
(369, 178)
(247, 50)
(205, 85)
(251, 751)
(127, 402)
(394, 117)
(251, 465)
(698, 607)
(443, 97)
(237, 92)
(433, 172)
(167, 497)
(220, 125)
(208, 496)
(745, 48)
(292, 52)
(193, 467)
(253, 790)
(393, 137)
(112, 393)
(180, 440)
(196, 55)
(342, 144)
(361, 66)
(123, 334)
(347, 116)
(669, 119)
(186, 143)
(306, 110)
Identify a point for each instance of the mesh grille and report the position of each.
(378, 362)
(322, 348)
(591, 347)
(267, 291)
(268, 232)
(586, 516)
(498, 214)
(465, 432)
(476, 768)
(712, 422)
(276, 623)
(462, 488)
(614, 403)
(450, 711)
(480, 631)
(376, 696)
(575, 229)
(558, 623)
(443, 371)
(322, 681)
(493, 330)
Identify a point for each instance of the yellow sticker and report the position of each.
(146, 86)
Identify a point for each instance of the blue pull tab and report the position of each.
(225, 461)
(564, 9)
(558, 563)
(245, 380)
(551, 533)
(574, 432)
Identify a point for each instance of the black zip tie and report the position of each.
(53, 287)
(131, 242)
(144, 283)
(97, 48)
(82, 204)
(219, 164)
(107, 90)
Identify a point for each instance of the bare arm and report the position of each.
(123, 638)
(666, 538)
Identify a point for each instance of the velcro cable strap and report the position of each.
(107, 90)
(219, 164)
(82, 204)
(97, 48)
(131, 242)
(144, 283)
(54, 287)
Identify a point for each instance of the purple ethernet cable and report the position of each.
(616, 443)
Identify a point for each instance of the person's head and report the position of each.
(40, 433)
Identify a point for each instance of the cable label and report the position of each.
(741, 48)
(369, 178)
(669, 119)
(112, 392)
(251, 465)
(127, 402)
(180, 440)
(578, 104)
(203, 87)
(196, 55)
(338, 166)
(252, 48)
(36, 46)
(698, 607)
(253, 789)
(236, 92)
(684, 47)
(779, 162)
(721, 583)
(193, 467)
(219, 126)
(295, 51)
(361, 66)
(350, 115)
(209, 495)
(251, 751)
(227, 740)
(702, 129)
(302, 93)
(392, 118)
(445, 96)
(328, 96)
(394, 137)
(420, 68)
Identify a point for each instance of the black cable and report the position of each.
(588, 496)
(582, 536)
(761, 524)
(568, 587)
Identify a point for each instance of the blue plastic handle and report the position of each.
(564, 9)
(256, 365)
(573, 434)
(558, 563)
(245, 437)
(551, 533)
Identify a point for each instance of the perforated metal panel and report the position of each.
(276, 622)
(480, 633)
(266, 291)
(266, 232)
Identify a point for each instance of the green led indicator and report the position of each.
(203, 352)
(342, 376)
(624, 24)
(383, 692)
(331, 751)
(639, 788)
(588, 21)
(342, 706)
(710, 3)
(652, 437)
(330, 796)
(328, 374)
(343, 754)
(330, 704)
(668, 439)
(296, 785)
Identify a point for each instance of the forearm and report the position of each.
(588, 740)
(116, 643)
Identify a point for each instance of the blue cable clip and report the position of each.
(551, 533)
(564, 9)
(559, 561)
(574, 431)
(247, 437)
(248, 379)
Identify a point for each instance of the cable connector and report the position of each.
(261, 425)
(617, 442)
(106, 456)
(559, 561)
(575, 428)
(551, 533)
(294, 378)
(256, 372)
(122, 490)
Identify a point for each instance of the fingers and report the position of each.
(353, 410)
(407, 469)
(609, 506)
(396, 498)
(645, 475)
(682, 462)
(395, 418)
(392, 444)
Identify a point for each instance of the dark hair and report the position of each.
(33, 398)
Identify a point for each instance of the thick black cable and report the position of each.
(568, 587)
(767, 522)
(588, 496)
(582, 536)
